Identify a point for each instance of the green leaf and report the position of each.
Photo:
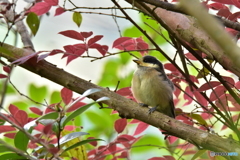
(21, 141)
(199, 119)
(76, 113)
(37, 93)
(83, 108)
(81, 143)
(77, 18)
(51, 115)
(55, 97)
(11, 156)
(33, 22)
(71, 136)
(4, 50)
(4, 149)
(198, 154)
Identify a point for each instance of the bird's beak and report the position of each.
(137, 61)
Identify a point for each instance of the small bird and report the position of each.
(151, 86)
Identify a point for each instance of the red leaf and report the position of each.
(66, 95)
(120, 124)
(13, 109)
(86, 34)
(170, 67)
(217, 92)
(93, 143)
(112, 148)
(208, 85)
(47, 129)
(6, 128)
(3, 76)
(52, 2)
(188, 95)
(125, 91)
(224, 12)
(140, 128)
(69, 49)
(236, 3)
(72, 34)
(120, 41)
(75, 106)
(172, 139)
(21, 117)
(229, 80)
(10, 135)
(70, 128)
(40, 8)
(190, 56)
(55, 51)
(94, 39)
(103, 49)
(7, 69)
(223, 1)
(25, 58)
(125, 138)
(216, 6)
(124, 155)
(71, 58)
(36, 111)
(59, 11)
(200, 98)
(237, 85)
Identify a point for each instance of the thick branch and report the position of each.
(188, 29)
(125, 107)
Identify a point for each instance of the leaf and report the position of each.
(5, 50)
(198, 118)
(3, 76)
(81, 143)
(52, 2)
(59, 11)
(120, 41)
(71, 136)
(4, 149)
(40, 8)
(33, 22)
(198, 154)
(21, 117)
(66, 95)
(11, 156)
(94, 39)
(140, 128)
(75, 106)
(21, 141)
(77, 18)
(25, 58)
(6, 128)
(7, 69)
(37, 93)
(76, 113)
(208, 85)
(120, 125)
(86, 34)
(72, 34)
(217, 92)
(51, 115)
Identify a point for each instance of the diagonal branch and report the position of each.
(125, 107)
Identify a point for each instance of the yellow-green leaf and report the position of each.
(33, 22)
(198, 154)
(77, 18)
(199, 119)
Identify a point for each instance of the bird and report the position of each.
(151, 86)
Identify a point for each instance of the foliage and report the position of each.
(203, 99)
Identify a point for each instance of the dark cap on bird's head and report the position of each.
(149, 61)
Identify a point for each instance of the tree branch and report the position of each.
(187, 28)
(126, 108)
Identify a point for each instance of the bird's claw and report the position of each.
(151, 110)
(143, 105)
